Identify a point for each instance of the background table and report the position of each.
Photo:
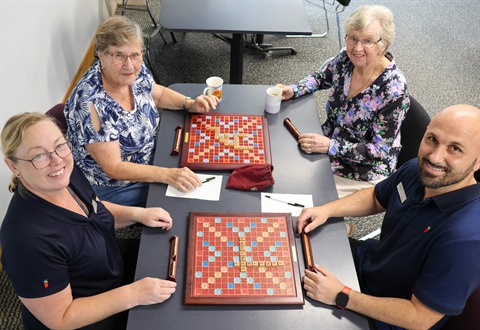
(237, 17)
(295, 172)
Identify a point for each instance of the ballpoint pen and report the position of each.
(279, 200)
(208, 179)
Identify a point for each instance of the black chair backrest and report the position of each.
(57, 113)
(470, 317)
(412, 130)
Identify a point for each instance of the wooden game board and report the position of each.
(225, 141)
(242, 258)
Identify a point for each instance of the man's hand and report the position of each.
(322, 286)
(311, 218)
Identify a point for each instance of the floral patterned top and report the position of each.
(136, 130)
(364, 131)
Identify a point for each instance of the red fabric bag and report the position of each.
(251, 177)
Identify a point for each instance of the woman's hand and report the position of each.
(312, 142)
(287, 91)
(149, 291)
(203, 103)
(182, 178)
(154, 217)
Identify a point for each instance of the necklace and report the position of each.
(78, 200)
(369, 81)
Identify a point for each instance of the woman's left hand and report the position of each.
(154, 217)
(204, 103)
(312, 142)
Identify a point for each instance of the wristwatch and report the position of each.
(342, 297)
(184, 105)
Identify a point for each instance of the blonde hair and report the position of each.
(366, 15)
(117, 31)
(13, 134)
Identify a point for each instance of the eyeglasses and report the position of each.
(121, 58)
(366, 43)
(42, 160)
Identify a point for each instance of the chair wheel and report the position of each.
(266, 54)
(293, 52)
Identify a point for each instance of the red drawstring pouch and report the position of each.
(251, 177)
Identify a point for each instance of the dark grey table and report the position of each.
(295, 172)
(237, 17)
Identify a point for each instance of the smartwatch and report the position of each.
(342, 297)
(184, 105)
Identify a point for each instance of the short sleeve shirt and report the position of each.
(429, 247)
(46, 247)
(135, 130)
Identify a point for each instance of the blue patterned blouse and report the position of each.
(364, 130)
(136, 130)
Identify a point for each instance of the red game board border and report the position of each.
(190, 299)
(210, 166)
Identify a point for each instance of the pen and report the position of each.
(209, 179)
(279, 200)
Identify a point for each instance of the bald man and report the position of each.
(426, 263)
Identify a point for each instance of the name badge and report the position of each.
(401, 193)
(94, 206)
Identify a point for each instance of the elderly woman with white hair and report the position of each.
(367, 102)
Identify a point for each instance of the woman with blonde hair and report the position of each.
(58, 240)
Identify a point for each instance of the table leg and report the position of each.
(236, 59)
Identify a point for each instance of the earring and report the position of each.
(18, 175)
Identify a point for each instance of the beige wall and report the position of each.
(42, 43)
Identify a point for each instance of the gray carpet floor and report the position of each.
(437, 48)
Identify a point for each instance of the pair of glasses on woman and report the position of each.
(44, 159)
(366, 43)
(121, 58)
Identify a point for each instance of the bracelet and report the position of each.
(184, 104)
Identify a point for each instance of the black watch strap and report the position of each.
(342, 297)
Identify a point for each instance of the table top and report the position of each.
(235, 16)
(294, 172)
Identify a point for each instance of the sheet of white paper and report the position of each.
(209, 191)
(278, 203)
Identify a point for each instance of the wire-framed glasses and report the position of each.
(366, 43)
(121, 58)
(44, 159)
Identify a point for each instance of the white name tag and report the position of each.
(401, 193)
(94, 205)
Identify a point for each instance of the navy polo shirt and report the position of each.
(46, 247)
(430, 247)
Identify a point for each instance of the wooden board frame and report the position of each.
(198, 226)
(184, 161)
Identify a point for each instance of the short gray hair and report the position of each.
(365, 15)
(117, 31)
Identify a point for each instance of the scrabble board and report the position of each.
(242, 258)
(224, 141)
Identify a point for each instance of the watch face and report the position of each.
(342, 300)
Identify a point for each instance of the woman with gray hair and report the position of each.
(367, 102)
(113, 119)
